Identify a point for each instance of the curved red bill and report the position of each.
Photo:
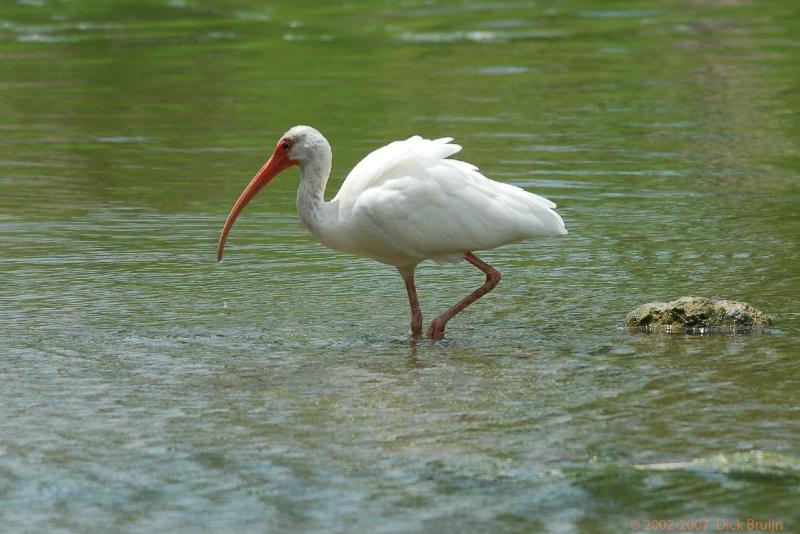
(278, 162)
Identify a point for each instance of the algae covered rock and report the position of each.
(697, 314)
(755, 464)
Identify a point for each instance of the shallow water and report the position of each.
(147, 388)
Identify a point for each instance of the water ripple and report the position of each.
(481, 36)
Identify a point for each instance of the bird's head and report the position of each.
(299, 146)
(303, 144)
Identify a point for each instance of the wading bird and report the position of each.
(405, 203)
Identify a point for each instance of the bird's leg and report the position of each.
(436, 331)
(413, 301)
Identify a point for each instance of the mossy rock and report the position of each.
(698, 314)
(754, 465)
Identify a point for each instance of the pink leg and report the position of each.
(413, 301)
(436, 331)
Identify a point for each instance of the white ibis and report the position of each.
(405, 203)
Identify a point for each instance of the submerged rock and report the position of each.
(755, 464)
(698, 314)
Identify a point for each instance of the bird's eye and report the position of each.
(286, 146)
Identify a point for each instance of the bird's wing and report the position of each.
(378, 164)
(428, 206)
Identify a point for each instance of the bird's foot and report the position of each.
(436, 330)
(416, 329)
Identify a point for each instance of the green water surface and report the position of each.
(146, 388)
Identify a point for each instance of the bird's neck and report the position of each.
(311, 193)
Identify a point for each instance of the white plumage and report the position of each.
(409, 196)
(404, 203)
